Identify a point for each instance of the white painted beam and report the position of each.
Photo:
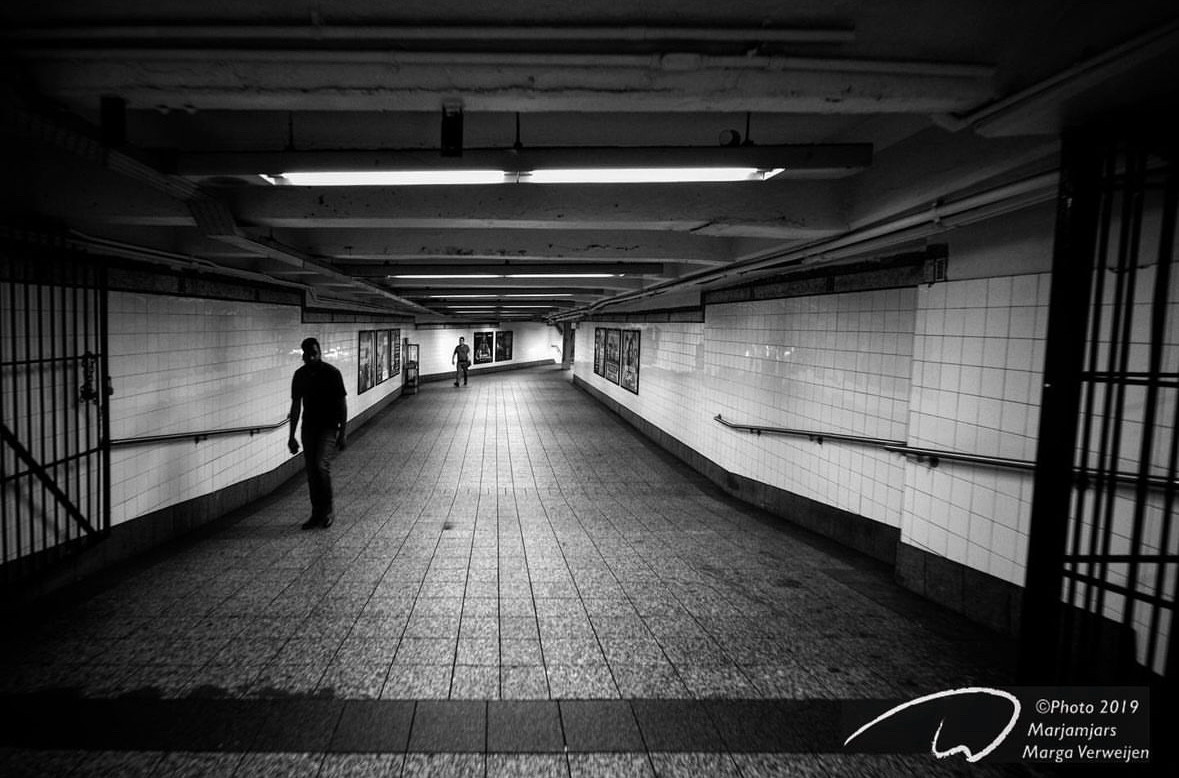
(285, 80)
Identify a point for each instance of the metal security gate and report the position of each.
(1103, 559)
(54, 463)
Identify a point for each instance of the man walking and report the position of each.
(319, 389)
(461, 358)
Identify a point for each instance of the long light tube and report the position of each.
(646, 175)
(388, 178)
(604, 175)
(456, 276)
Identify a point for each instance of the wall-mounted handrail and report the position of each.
(818, 437)
(934, 456)
(197, 437)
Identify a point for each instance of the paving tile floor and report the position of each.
(517, 583)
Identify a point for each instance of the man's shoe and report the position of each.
(311, 523)
(327, 520)
(456, 383)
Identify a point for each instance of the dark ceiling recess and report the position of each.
(881, 124)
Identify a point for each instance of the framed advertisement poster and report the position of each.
(394, 352)
(629, 378)
(382, 352)
(483, 346)
(613, 355)
(599, 351)
(364, 361)
(503, 346)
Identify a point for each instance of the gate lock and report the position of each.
(88, 392)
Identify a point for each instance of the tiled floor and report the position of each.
(516, 584)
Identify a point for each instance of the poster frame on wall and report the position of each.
(483, 347)
(503, 345)
(364, 361)
(381, 349)
(394, 352)
(611, 361)
(599, 351)
(629, 372)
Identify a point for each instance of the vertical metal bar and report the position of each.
(1127, 266)
(1158, 331)
(53, 404)
(1104, 488)
(63, 400)
(103, 522)
(1089, 390)
(1078, 201)
(1101, 486)
(87, 407)
(93, 498)
(7, 344)
(28, 410)
(46, 497)
(83, 501)
(75, 362)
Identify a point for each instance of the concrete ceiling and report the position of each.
(891, 117)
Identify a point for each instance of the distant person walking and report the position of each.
(317, 394)
(461, 358)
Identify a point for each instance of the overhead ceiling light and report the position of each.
(461, 275)
(562, 275)
(388, 178)
(510, 275)
(603, 175)
(647, 175)
(494, 296)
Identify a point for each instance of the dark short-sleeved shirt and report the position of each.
(463, 351)
(320, 387)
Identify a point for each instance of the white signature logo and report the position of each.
(958, 749)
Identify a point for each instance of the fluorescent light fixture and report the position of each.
(493, 296)
(388, 178)
(561, 275)
(463, 275)
(604, 175)
(511, 275)
(646, 175)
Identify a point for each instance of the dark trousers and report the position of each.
(461, 370)
(319, 449)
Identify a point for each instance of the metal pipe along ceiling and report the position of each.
(939, 217)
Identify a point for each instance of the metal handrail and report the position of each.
(818, 437)
(933, 456)
(197, 437)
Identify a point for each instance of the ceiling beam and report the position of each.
(424, 245)
(386, 35)
(211, 78)
(793, 210)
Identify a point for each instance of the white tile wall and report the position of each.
(977, 365)
(180, 365)
(671, 377)
(836, 363)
